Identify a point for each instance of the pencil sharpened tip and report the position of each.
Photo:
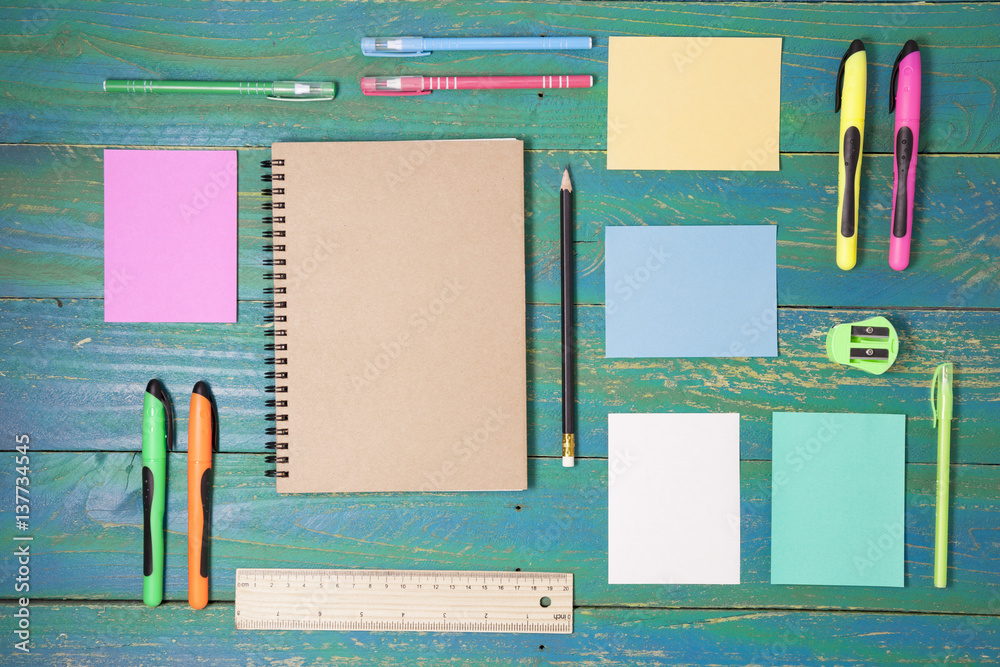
(566, 183)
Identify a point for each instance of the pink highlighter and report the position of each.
(904, 98)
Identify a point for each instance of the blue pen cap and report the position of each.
(393, 46)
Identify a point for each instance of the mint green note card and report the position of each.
(838, 499)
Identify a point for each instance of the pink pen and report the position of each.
(422, 85)
(904, 98)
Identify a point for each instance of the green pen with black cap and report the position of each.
(157, 438)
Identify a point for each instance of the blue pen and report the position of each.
(422, 46)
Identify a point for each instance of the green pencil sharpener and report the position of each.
(870, 345)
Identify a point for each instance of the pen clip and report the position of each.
(368, 48)
(155, 389)
(935, 383)
(299, 99)
(893, 81)
(908, 48)
(169, 412)
(215, 428)
(215, 423)
(855, 47)
(397, 93)
(399, 54)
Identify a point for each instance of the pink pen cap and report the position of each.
(904, 87)
(393, 85)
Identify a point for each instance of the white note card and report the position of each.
(674, 498)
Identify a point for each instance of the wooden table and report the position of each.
(73, 384)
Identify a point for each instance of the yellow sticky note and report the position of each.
(707, 103)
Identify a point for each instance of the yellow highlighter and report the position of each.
(850, 102)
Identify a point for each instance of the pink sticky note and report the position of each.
(170, 230)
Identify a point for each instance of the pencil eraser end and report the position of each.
(568, 461)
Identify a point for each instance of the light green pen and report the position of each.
(157, 439)
(285, 91)
(941, 407)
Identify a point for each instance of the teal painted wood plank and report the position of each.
(85, 513)
(800, 379)
(52, 221)
(65, 355)
(56, 57)
(51, 230)
(129, 635)
(86, 525)
(103, 370)
(955, 260)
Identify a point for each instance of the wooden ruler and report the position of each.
(404, 600)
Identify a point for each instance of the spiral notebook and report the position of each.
(398, 314)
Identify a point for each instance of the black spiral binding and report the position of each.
(273, 259)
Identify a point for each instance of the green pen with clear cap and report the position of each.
(284, 91)
(941, 408)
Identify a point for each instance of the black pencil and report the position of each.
(566, 245)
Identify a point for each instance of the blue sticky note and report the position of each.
(838, 494)
(700, 291)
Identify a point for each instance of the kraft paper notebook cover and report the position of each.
(400, 297)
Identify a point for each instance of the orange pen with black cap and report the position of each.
(202, 441)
